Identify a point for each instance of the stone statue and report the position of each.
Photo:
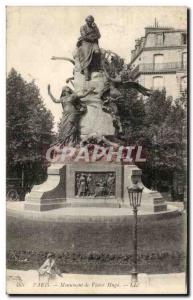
(100, 188)
(88, 49)
(111, 95)
(89, 184)
(95, 185)
(91, 122)
(110, 106)
(82, 186)
(111, 62)
(116, 82)
(110, 184)
(103, 71)
(73, 109)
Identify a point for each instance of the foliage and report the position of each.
(157, 124)
(29, 129)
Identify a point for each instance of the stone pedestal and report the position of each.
(51, 194)
(152, 201)
(95, 122)
(60, 190)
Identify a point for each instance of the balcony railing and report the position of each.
(162, 67)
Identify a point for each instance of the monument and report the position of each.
(90, 165)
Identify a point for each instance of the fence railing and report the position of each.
(157, 67)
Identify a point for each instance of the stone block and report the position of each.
(60, 189)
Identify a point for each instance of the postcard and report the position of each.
(96, 127)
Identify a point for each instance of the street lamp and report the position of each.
(135, 195)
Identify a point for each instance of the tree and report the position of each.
(29, 130)
(163, 123)
(156, 123)
(132, 113)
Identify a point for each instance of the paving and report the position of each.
(17, 209)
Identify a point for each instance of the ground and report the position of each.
(98, 247)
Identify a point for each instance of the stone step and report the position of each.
(158, 201)
(92, 202)
(112, 205)
(160, 207)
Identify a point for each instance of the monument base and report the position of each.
(106, 187)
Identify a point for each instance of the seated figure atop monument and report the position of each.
(88, 48)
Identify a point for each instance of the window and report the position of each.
(158, 82)
(184, 60)
(158, 61)
(184, 38)
(183, 83)
(159, 39)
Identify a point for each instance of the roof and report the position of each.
(150, 30)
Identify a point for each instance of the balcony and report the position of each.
(159, 68)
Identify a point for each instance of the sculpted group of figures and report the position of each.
(95, 185)
(93, 59)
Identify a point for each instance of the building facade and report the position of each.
(159, 60)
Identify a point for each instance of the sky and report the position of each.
(35, 34)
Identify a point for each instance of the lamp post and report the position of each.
(135, 195)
